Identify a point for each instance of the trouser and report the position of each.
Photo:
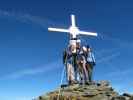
(74, 63)
(83, 72)
(75, 72)
(86, 76)
(70, 73)
(89, 68)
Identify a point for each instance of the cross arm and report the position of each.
(87, 33)
(58, 30)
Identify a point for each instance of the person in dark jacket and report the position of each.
(69, 60)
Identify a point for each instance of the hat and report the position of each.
(78, 41)
(88, 46)
(72, 42)
(84, 48)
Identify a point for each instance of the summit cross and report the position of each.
(73, 30)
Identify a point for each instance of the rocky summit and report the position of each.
(101, 90)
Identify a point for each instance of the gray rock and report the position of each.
(96, 91)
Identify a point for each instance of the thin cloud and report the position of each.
(52, 66)
(28, 18)
(108, 58)
(100, 54)
(29, 72)
(119, 73)
(47, 68)
(118, 41)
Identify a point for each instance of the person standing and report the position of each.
(90, 62)
(69, 57)
(82, 65)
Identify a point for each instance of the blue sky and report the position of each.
(31, 57)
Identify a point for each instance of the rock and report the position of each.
(103, 83)
(127, 94)
(131, 98)
(93, 91)
(118, 98)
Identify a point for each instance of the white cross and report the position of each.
(73, 30)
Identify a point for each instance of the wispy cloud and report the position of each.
(120, 42)
(53, 66)
(28, 18)
(47, 68)
(104, 51)
(33, 71)
(118, 73)
(108, 58)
